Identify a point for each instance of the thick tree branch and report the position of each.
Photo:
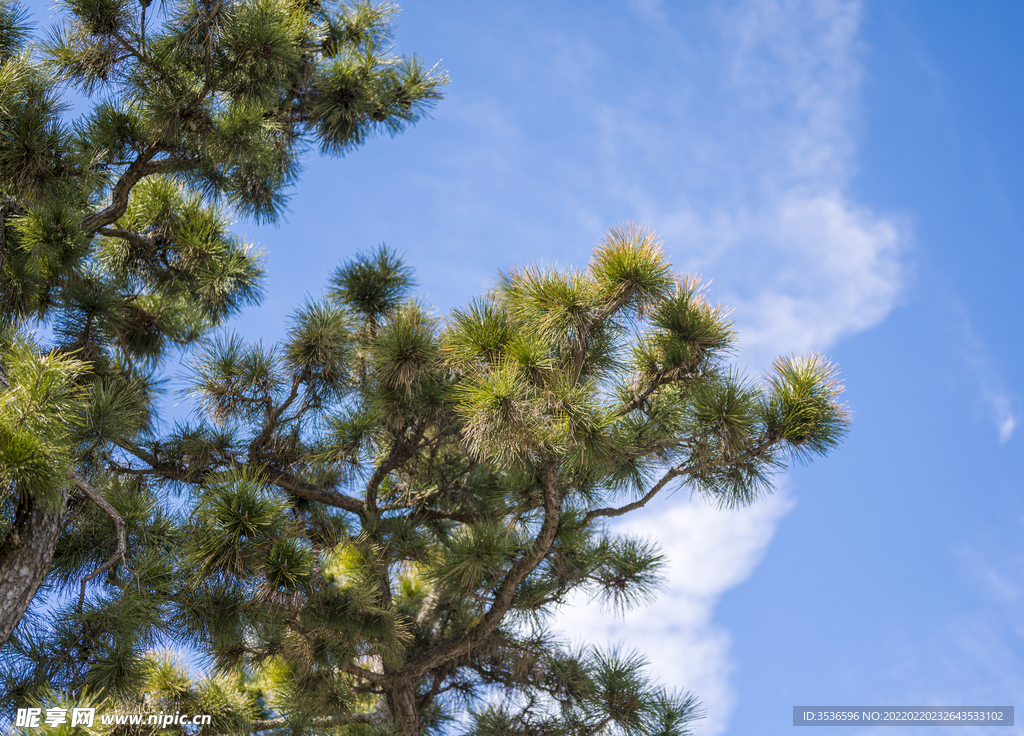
(288, 482)
(505, 593)
(25, 557)
(141, 167)
(369, 675)
(282, 479)
(427, 698)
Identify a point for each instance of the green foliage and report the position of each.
(629, 575)
(40, 398)
(594, 691)
(320, 347)
(14, 30)
(630, 269)
(116, 243)
(381, 512)
(238, 525)
(804, 408)
(372, 285)
(214, 104)
(365, 527)
(36, 155)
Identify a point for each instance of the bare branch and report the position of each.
(322, 722)
(146, 61)
(133, 238)
(288, 482)
(274, 419)
(659, 380)
(369, 675)
(122, 543)
(282, 479)
(401, 450)
(675, 473)
(640, 503)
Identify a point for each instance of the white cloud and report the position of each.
(800, 272)
(1006, 426)
(751, 187)
(801, 264)
(710, 551)
(745, 170)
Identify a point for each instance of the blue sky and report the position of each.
(849, 176)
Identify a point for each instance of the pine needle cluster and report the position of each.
(380, 514)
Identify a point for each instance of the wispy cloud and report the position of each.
(733, 133)
(800, 271)
(994, 393)
(973, 653)
(998, 399)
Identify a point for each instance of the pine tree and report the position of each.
(114, 228)
(381, 512)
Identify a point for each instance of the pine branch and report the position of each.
(25, 557)
(282, 479)
(670, 475)
(6, 208)
(401, 450)
(312, 634)
(659, 380)
(435, 689)
(369, 675)
(589, 325)
(504, 596)
(273, 420)
(122, 544)
(310, 492)
(141, 241)
(377, 717)
(427, 514)
(146, 61)
(208, 45)
(141, 167)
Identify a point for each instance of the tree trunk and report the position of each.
(25, 558)
(402, 701)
